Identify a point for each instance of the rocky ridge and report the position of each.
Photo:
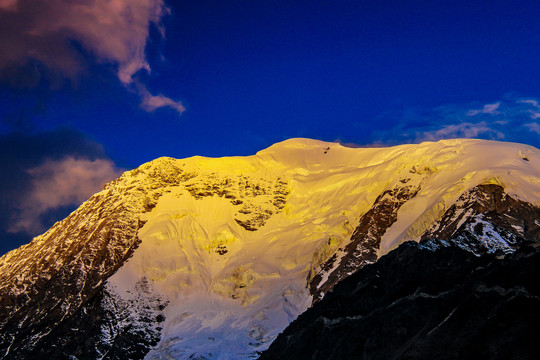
(45, 293)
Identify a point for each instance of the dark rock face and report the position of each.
(425, 301)
(49, 282)
(56, 280)
(488, 214)
(105, 327)
(365, 240)
(250, 217)
(484, 219)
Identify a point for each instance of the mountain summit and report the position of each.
(211, 258)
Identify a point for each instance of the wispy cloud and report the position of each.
(8, 5)
(510, 119)
(151, 102)
(487, 109)
(51, 32)
(30, 160)
(462, 130)
(534, 111)
(533, 127)
(60, 183)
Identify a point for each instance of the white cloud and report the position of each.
(462, 130)
(533, 127)
(530, 101)
(487, 109)
(152, 102)
(535, 111)
(114, 31)
(59, 183)
(507, 119)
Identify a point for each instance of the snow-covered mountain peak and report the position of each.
(236, 237)
(225, 252)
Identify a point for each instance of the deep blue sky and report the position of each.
(251, 73)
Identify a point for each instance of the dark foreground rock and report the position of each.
(433, 300)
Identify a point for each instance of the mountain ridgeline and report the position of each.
(390, 251)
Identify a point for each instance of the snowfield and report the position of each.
(211, 258)
(232, 288)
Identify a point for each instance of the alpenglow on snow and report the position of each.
(214, 257)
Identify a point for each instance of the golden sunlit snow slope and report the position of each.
(232, 246)
(214, 256)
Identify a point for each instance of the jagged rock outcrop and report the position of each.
(45, 283)
(483, 219)
(365, 241)
(486, 219)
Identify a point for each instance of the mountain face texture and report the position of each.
(205, 258)
(432, 300)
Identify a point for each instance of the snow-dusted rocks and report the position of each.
(212, 258)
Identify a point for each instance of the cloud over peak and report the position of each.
(461, 130)
(510, 119)
(506, 119)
